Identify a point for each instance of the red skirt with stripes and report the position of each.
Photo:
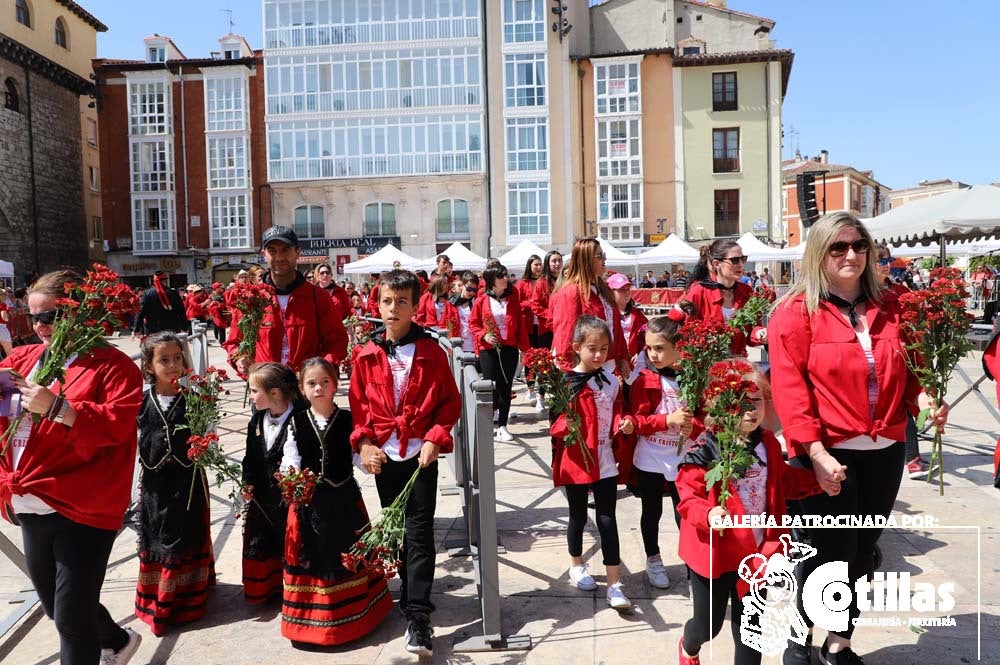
(328, 612)
(174, 593)
(261, 579)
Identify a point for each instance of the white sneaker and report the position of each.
(656, 573)
(496, 416)
(581, 579)
(540, 404)
(109, 657)
(616, 599)
(504, 435)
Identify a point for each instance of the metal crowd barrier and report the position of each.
(26, 600)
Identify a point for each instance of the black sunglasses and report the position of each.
(48, 317)
(736, 260)
(324, 272)
(860, 246)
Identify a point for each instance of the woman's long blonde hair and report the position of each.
(813, 281)
(580, 272)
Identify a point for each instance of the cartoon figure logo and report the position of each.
(772, 598)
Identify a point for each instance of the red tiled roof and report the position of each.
(792, 168)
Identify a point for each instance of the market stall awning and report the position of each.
(382, 260)
(671, 250)
(969, 214)
(461, 257)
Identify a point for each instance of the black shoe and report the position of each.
(419, 635)
(798, 654)
(842, 657)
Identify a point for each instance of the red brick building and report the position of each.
(183, 166)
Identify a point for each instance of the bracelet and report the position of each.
(63, 411)
(54, 407)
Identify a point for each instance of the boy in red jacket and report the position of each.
(404, 402)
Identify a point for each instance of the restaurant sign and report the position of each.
(364, 244)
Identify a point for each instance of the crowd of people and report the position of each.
(838, 392)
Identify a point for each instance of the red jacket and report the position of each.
(84, 472)
(313, 327)
(709, 304)
(540, 305)
(429, 406)
(645, 396)
(637, 339)
(525, 288)
(726, 553)
(568, 463)
(427, 317)
(195, 308)
(373, 297)
(218, 311)
(481, 319)
(565, 307)
(341, 301)
(820, 376)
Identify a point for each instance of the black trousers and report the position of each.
(652, 487)
(499, 366)
(873, 478)
(67, 562)
(605, 499)
(699, 629)
(912, 442)
(220, 333)
(417, 572)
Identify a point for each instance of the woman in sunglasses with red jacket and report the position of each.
(717, 292)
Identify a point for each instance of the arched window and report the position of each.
(22, 12)
(308, 222)
(453, 219)
(61, 33)
(380, 219)
(11, 99)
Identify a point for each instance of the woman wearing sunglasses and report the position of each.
(717, 292)
(842, 390)
(68, 478)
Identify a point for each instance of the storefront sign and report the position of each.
(364, 244)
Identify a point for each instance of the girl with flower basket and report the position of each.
(324, 602)
(176, 562)
(734, 469)
(593, 456)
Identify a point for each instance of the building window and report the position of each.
(726, 150)
(527, 209)
(153, 224)
(527, 144)
(524, 80)
(619, 148)
(232, 54)
(11, 99)
(229, 221)
(618, 88)
(95, 179)
(22, 12)
(724, 91)
(380, 219)
(227, 167)
(225, 104)
(453, 219)
(91, 132)
(61, 33)
(149, 108)
(727, 212)
(156, 54)
(523, 21)
(308, 222)
(692, 50)
(620, 204)
(97, 229)
(151, 170)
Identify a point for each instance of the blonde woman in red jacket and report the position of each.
(498, 329)
(68, 480)
(584, 291)
(842, 390)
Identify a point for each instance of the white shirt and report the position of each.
(661, 452)
(285, 349)
(752, 489)
(604, 400)
(468, 344)
(273, 425)
(863, 441)
(400, 367)
(499, 310)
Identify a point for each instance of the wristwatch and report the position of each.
(63, 410)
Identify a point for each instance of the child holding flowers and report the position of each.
(596, 457)
(176, 562)
(273, 390)
(664, 423)
(324, 603)
(735, 468)
(404, 404)
(434, 310)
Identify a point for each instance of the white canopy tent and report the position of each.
(759, 252)
(671, 250)
(977, 248)
(515, 259)
(383, 259)
(616, 258)
(6, 269)
(461, 257)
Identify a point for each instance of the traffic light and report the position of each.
(805, 187)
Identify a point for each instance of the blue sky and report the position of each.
(906, 88)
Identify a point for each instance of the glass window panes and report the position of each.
(528, 209)
(308, 222)
(225, 104)
(620, 201)
(227, 167)
(617, 88)
(453, 219)
(380, 219)
(619, 147)
(524, 80)
(527, 144)
(149, 108)
(230, 222)
(151, 166)
(153, 228)
(524, 21)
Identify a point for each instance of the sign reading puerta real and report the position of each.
(365, 244)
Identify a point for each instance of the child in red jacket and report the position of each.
(404, 402)
(597, 457)
(434, 310)
(761, 489)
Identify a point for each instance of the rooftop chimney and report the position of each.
(824, 157)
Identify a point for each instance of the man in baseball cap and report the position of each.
(281, 234)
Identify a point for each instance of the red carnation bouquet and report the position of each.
(252, 301)
(90, 310)
(540, 367)
(702, 344)
(377, 550)
(936, 324)
(297, 486)
(728, 395)
(752, 312)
